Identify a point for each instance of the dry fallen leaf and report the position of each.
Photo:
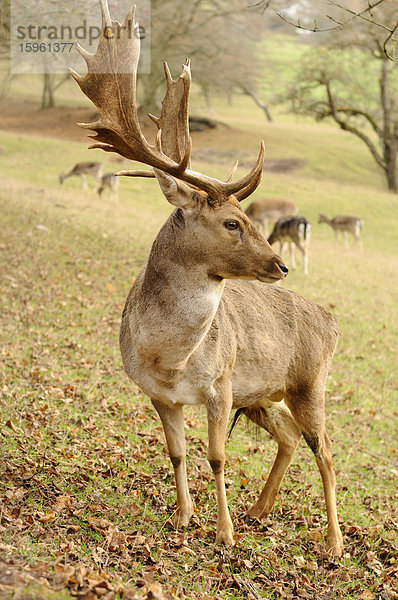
(11, 425)
(63, 503)
(48, 517)
(300, 561)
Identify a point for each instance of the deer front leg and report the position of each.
(173, 425)
(218, 411)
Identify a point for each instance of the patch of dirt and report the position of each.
(58, 122)
(54, 122)
(282, 165)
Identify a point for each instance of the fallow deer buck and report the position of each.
(269, 210)
(110, 181)
(345, 224)
(83, 169)
(295, 231)
(199, 325)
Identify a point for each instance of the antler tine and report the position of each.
(83, 52)
(174, 119)
(136, 173)
(249, 189)
(252, 179)
(106, 16)
(232, 173)
(167, 73)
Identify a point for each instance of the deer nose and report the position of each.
(284, 269)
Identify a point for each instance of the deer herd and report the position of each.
(202, 324)
(102, 180)
(294, 230)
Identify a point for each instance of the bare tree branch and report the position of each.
(262, 5)
(260, 104)
(335, 113)
(365, 15)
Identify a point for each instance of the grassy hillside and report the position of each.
(86, 485)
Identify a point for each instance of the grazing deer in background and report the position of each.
(200, 325)
(83, 169)
(110, 181)
(296, 231)
(346, 224)
(269, 210)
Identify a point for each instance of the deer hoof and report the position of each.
(225, 536)
(181, 518)
(257, 512)
(334, 546)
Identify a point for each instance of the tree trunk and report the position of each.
(150, 86)
(5, 84)
(261, 105)
(392, 175)
(390, 128)
(206, 96)
(47, 99)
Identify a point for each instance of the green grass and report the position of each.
(73, 426)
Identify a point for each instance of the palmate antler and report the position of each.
(110, 83)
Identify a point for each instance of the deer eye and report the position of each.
(231, 225)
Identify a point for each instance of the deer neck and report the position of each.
(178, 299)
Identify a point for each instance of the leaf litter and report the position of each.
(86, 488)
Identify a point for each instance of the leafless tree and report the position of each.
(50, 81)
(218, 37)
(353, 82)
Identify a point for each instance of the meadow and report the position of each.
(86, 485)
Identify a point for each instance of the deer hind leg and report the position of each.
(218, 411)
(357, 236)
(116, 191)
(173, 425)
(309, 414)
(278, 421)
(303, 249)
(84, 181)
(292, 255)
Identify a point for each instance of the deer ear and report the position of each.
(176, 192)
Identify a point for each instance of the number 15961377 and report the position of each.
(46, 46)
